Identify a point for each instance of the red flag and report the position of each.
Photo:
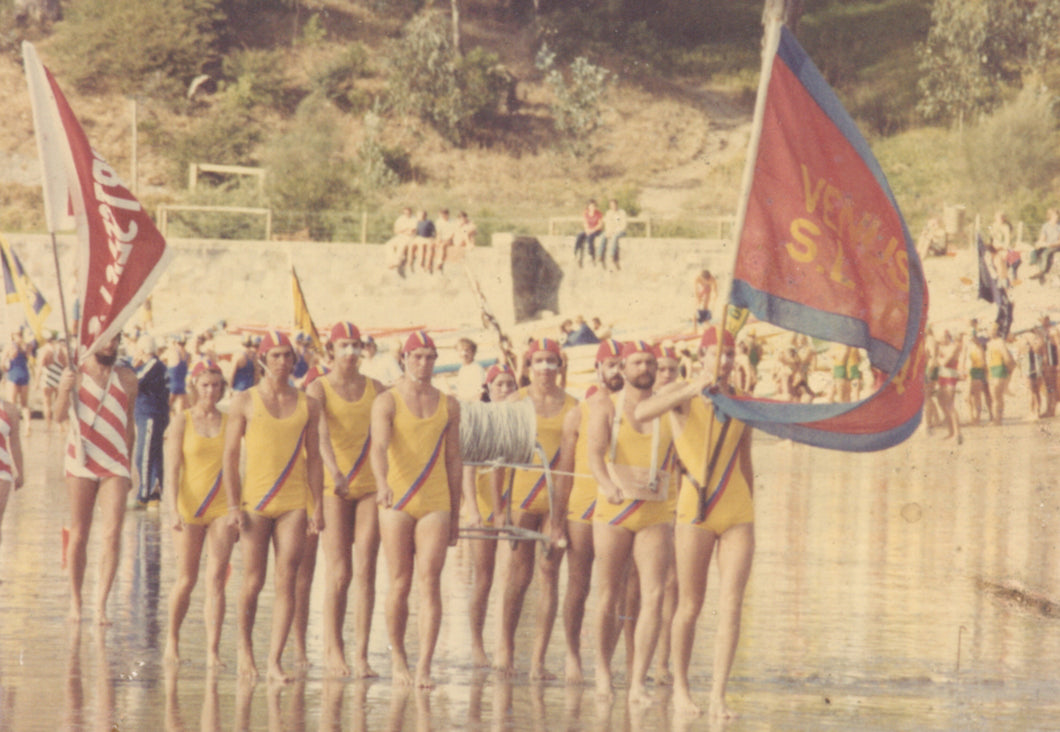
(824, 251)
(121, 253)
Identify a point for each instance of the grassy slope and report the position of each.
(654, 125)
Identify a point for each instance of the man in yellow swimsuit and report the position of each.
(532, 509)
(715, 453)
(634, 514)
(415, 457)
(350, 509)
(280, 427)
(582, 502)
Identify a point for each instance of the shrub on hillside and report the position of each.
(429, 80)
(226, 136)
(305, 174)
(1013, 149)
(336, 78)
(255, 78)
(579, 93)
(129, 45)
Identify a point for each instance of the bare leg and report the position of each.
(693, 549)
(483, 561)
(338, 571)
(652, 549)
(579, 578)
(303, 589)
(548, 574)
(613, 546)
(520, 572)
(432, 544)
(628, 613)
(397, 531)
(220, 539)
(735, 551)
(662, 648)
(112, 495)
(187, 543)
(365, 560)
(82, 498)
(255, 539)
(288, 541)
(5, 491)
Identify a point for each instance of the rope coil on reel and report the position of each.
(497, 432)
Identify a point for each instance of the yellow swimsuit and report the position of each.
(348, 424)
(484, 491)
(634, 448)
(529, 492)
(200, 497)
(416, 459)
(582, 501)
(276, 480)
(729, 491)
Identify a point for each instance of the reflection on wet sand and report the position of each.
(915, 588)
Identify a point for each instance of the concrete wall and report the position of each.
(249, 282)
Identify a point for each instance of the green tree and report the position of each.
(431, 81)
(979, 50)
(152, 46)
(576, 111)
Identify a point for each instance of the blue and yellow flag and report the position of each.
(19, 288)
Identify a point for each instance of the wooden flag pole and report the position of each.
(774, 21)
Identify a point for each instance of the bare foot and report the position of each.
(639, 696)
(171, 657)
(400, 675)
(663, 677)
(424, 681)
(246, 666)
(719, 712)
(277, 674)
(101, 618)
(683, 704)
(505, 670)
(361, 670)
(540, 673)
(573, 670)
(74, 616)
(335, 665)
(214, 662)
(301, 661)
(603, 685)
(479, 659)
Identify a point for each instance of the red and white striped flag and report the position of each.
(121, 252)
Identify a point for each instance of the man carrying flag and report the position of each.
(121, 254)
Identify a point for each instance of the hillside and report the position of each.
(670, 142)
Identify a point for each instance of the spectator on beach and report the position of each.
(932, 241)
(1047, 245)
(705, 291)
(471, 377)
(601, 331)
(614, 229)
(423, 242)
(592, 228)
(578, 333)
(1001, 238)
(445, 237)
(465, 231)
(399, 245)
(382, 366)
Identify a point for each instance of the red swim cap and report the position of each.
(662, 351)
(609, 348)
(273, 339)
(631, 347)
(418, 339)
(543, 344)
(496, 370)
(344, 331)
(710, 338)
(202, 366)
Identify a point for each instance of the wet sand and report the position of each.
(918, 588)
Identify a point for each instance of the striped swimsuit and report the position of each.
(103, 424)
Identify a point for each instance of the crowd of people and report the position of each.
(355, 464)
(427, 245)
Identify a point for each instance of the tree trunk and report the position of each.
(455, 4)
(39, 11)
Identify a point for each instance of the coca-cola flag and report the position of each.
(121, 253)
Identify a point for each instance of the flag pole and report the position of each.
(62, 302)
(773, 20)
